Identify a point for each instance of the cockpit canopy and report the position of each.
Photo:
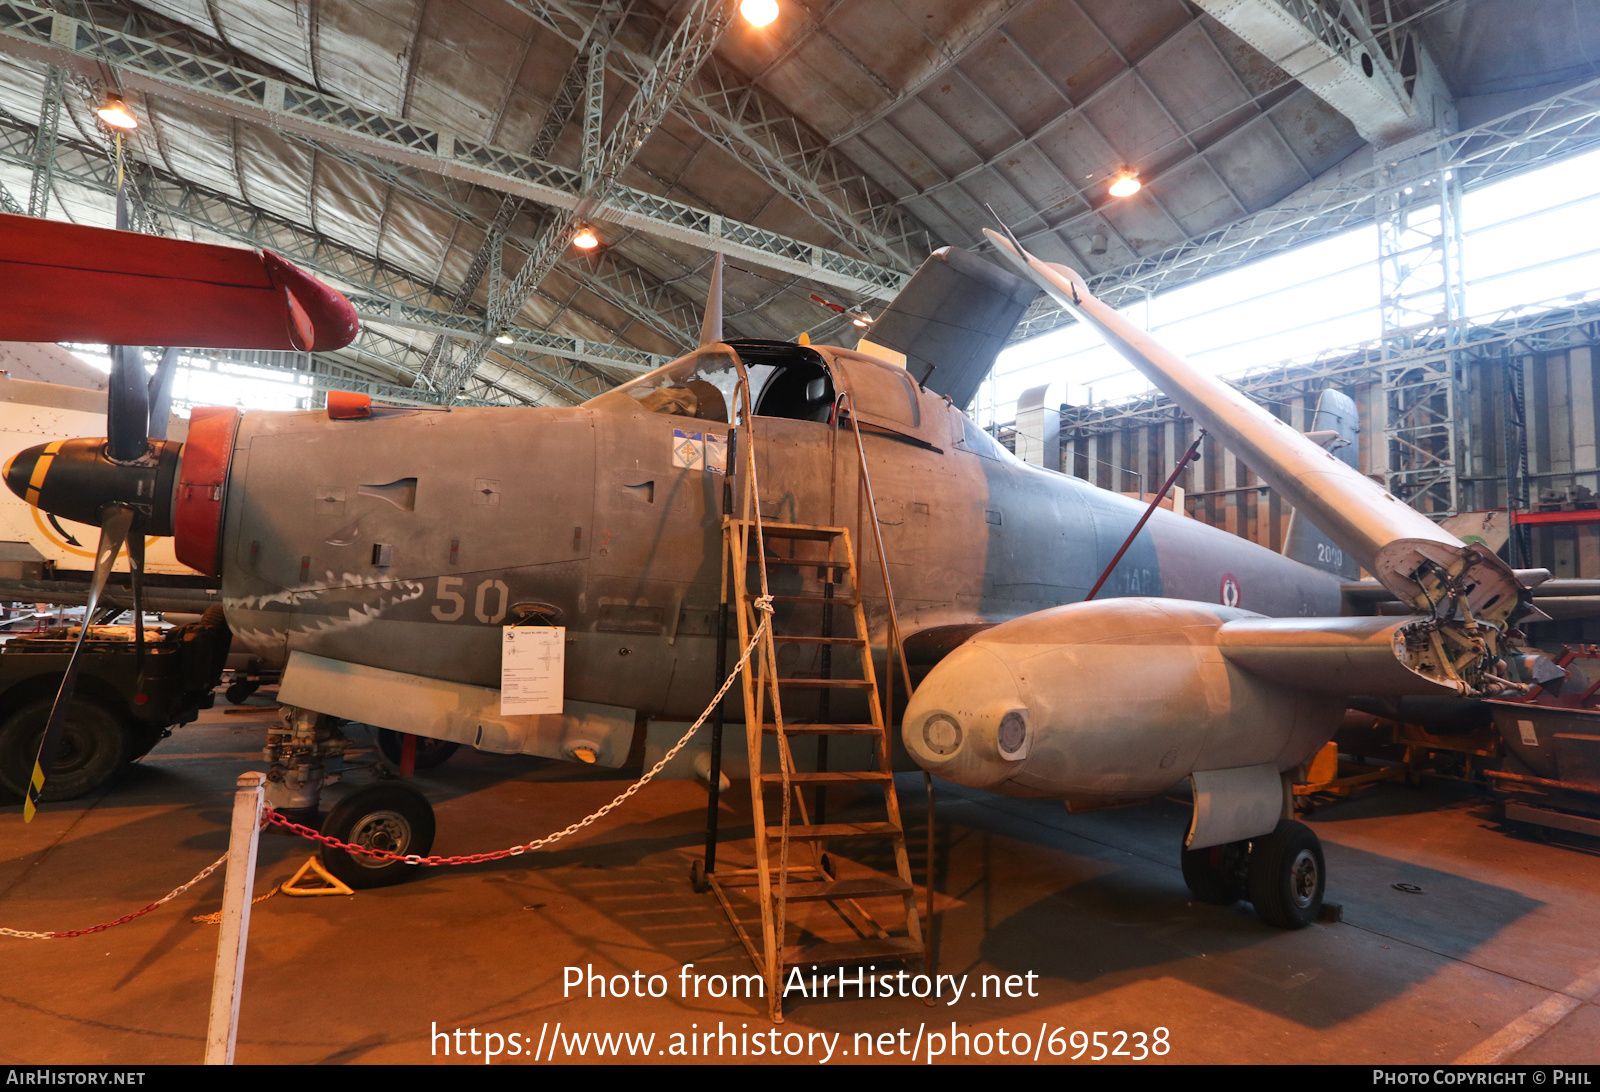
(786, 380)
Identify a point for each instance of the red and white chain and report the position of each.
(762, 604)
(23, 934)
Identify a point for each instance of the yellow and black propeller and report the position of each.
(124, 484)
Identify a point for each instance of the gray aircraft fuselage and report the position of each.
(406, 540)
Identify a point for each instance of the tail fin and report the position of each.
(1336, 425)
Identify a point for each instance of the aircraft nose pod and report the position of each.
(971, 725)
(73, 479)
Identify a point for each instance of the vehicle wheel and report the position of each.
(385, 816)
(94, 747)
(1287, 876)
(1215, 874)
(430, 752)
(238, 693)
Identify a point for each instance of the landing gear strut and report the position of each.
(1281, 873)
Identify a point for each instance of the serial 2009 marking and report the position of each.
(1329, 555)
(489, 602)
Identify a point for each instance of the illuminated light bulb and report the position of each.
(504, 338)
(117, 114)
(758, 13)
(860, 320)
(586, 239)
(1126, 184)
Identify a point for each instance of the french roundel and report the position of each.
(1230, 590)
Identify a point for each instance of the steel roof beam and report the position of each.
(1562, 125)
(385, 293)
(1329, 47)
(735, 114)
(679, 57)
(154, 68)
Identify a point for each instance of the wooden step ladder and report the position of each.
(791, 867)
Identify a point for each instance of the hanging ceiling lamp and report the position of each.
(758, 13)
(116, 113)
(1126, 183)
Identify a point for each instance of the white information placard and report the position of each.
(533, 663)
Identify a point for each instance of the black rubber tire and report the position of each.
(94, 748)
(239, 692)
(1214, 874)
(431, 753)
(1287, 876)
(697, 877)
(383, 816)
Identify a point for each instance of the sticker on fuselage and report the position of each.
(1230, 590)
(700, 451)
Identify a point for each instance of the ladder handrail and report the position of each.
(844, 398)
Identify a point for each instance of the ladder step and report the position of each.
(866, 887)
(798, 531)
(828, 777)
(852, 951)
(804, 562)
(838, 601)
(824, 729)
(815, 833)
(824, 684)
(780, 638)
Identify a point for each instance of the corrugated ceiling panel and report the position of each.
(274, 31)
(197, 144)
(1256, 164)
(1193, 81)
(1319, 134)
(1067, 47)
(364, 50)
(985, 129)
(277, 173)
(1145, 227)
(1136, 126)
(463, 68)
(1136, 29)
(1029, 100)
(348, 203)
(934, 137)
(1194, 195)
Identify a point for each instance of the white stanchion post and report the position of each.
(228, 982)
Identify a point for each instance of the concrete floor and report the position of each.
(1093, 905)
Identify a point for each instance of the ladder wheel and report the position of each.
(697, 877)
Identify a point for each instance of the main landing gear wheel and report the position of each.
(430, 752)
(238, 693)
(1287, 876)
(384, 816)
(1215, 874)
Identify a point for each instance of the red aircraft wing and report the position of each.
(65, 282)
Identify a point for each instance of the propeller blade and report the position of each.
(128, 408)
(161, 393)
(136, 578)
(113, 533)
(711, 327)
